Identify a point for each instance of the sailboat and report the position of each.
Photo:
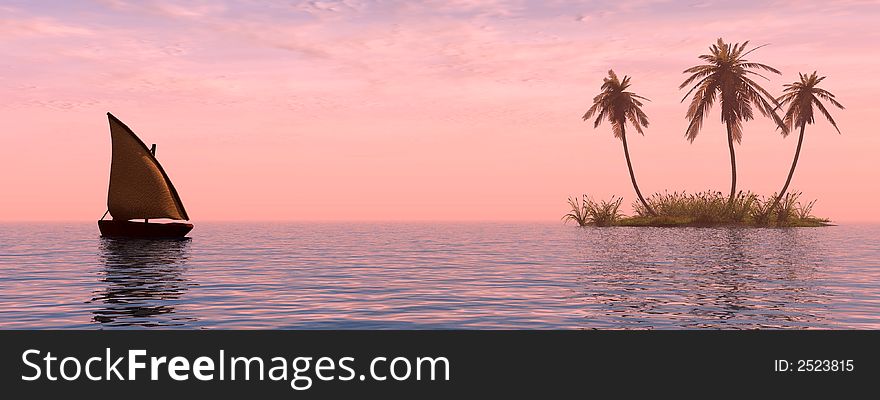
(139, 189)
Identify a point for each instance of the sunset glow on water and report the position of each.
(449, 276)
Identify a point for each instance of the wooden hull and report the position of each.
(144, 230)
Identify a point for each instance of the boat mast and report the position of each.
(152, 151)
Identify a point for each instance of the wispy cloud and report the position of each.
(40, 26)
(354, 79)
(185, 10)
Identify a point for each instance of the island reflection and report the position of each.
(716, 278)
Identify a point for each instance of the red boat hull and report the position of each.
(111, 228)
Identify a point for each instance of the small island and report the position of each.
(705, 209)
(728, 78)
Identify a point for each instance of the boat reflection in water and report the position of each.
(143, 281)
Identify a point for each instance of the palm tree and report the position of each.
(618, 106)
(726, 74)
(800, 98)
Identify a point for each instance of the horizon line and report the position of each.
(365, 221)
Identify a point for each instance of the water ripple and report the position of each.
(441, 276)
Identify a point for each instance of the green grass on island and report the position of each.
(704, 209)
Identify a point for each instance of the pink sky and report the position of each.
(436, 110)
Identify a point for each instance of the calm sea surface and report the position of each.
(430, 276)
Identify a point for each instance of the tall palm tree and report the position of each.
(618, 106)
(800, 98)
(726, 74)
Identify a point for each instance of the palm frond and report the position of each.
(701, 104)
(591, 111)
(617, 106)
(800, 97)
(754, 65)
(826, 114)
(726, 74)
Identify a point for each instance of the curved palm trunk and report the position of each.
(633, 176)
(732, 165)
(797, 153)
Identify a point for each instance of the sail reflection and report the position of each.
(143, 281)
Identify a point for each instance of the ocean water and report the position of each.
(441, 276)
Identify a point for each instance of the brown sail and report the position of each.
(139, 187)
